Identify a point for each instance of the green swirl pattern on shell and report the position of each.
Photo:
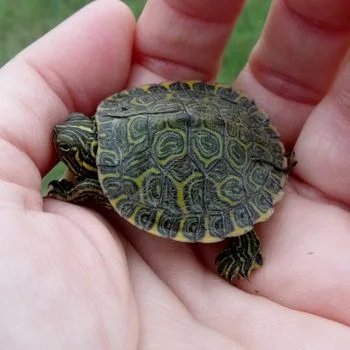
(190, 161)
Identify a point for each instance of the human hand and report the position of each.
(69, 278)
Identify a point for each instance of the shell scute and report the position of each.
(191, 161)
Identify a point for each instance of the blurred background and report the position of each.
(23, 21)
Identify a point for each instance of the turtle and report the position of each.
(191, 161)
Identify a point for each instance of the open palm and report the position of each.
(71, 279)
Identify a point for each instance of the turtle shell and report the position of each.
(190, 161)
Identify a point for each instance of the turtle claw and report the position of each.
(59, 189)
(292, 162)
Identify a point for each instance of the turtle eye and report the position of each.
(64, 147)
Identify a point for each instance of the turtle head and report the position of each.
(76, 144)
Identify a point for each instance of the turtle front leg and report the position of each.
(86, 191)
(240, 257)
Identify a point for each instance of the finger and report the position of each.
(72, 67)
(324, 144)
(178, 278)
(157, 303)
(186, 41)
(305, 249)
(63, 272)
(296, 59)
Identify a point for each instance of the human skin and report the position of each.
(72, 278)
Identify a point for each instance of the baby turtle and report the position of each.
(189, 161)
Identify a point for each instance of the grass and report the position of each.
(24, 22)
(244, 37)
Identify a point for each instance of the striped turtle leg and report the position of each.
(86, 191)
(240, 257)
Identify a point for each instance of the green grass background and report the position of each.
(23, 21)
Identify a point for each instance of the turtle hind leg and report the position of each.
(240, 257)
(85, 191)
